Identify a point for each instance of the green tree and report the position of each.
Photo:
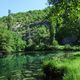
(10, 41)
(63, 13)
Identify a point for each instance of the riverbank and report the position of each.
(54, 48)
(63, 67)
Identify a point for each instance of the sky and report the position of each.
(20, 6)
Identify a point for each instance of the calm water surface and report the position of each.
(20, 67)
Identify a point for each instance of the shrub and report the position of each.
(67, 47)
(55, 43)
(10, 41)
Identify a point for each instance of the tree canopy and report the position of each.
(10, 41)
(64, 13)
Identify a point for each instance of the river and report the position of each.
(24, 67)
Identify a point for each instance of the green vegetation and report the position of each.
(64, 15)
(44, 28)
(10, 41)
(62, 67)
(56, 28)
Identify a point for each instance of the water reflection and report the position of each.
(28, 64)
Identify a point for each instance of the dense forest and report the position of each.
(57, 24)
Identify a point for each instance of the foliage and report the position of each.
(10, 41)
(41, 33)
(70, 71)
(67, 47)
(56, 22)
(55, 43)
(63, 14)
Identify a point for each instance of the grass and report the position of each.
(70, 66)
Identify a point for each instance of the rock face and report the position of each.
(69, 40)
(37, 23)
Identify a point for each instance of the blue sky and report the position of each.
(20, 5)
